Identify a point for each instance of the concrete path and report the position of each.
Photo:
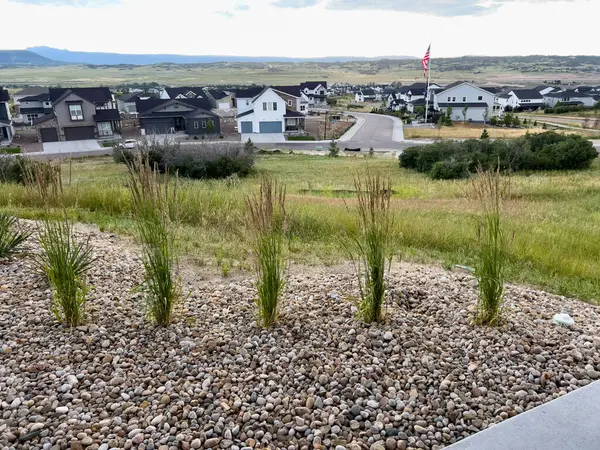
(71, 146)
(570, 422)
(265, 137)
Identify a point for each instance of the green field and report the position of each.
(554, 217)
(499, 70)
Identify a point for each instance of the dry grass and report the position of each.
(473, 131)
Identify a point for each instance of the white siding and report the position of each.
(465, 93)
(244, 104)
(260, 115)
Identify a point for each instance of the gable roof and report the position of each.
(567, 94)
(4, 96)
(312, 85)
(290, 90)
(130, 97)
(528, 94)
(92, 94)
(152, 104)
(32, 90)
(370, 92)
(174, 92)
(250, 92)
(490, 89)
(451, 85)
(216, 94)
(36, 98)
(459, 83)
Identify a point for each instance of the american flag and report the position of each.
(425, 62)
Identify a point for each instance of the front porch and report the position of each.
(296, 124)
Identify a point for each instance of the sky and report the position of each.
(306, 28)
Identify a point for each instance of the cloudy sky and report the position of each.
(305, 28)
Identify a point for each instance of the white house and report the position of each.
(315, 92)
(569, 98)
(416, 91)
(479, 102)
(268, 114)
(366, 95)
(34, 96)
(525, 99)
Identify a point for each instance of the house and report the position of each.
(33, 107)
(221, 100)
(569, 98)
(7, 130)
(79, 114)
(242, 98)
(316, 93)
(33, 91)
(468, 102)
(545, 89)
(366, 95)
(182, 92)
(169, 116)
(271, 112)
(417, 90)
(295, 98)
(126, 103)
(525, 99)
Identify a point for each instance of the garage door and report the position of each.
(79, 133)
(270, 127)
(247, 127)
(49, 135)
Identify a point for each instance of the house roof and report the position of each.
(584, 88)
(289, 113)
(92, 94)
(4, 96)
(127, 98)
(573, 103)
(462, 105)
(150, 105)
(542, 87)
(248, 92)
(490, 89)
(106, 115)
(313, 84)
(39, 110)
(36, 98)
(456, 83)
(45, 118)
(368, 92)
(295, 91)
(184, 90)
(418, 102)
(245, 113)
(32, 90)
(217, 94)
(529, 94)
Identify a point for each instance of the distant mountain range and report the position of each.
(9, 58)
(110, 59)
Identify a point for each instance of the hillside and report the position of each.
(9, 58)
(108, 59)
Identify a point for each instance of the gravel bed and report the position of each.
(319, 379)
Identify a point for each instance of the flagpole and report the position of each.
(427, 91)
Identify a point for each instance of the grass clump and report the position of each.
(334, 149)
(11, 239)
(65, 262)
(154, 204)
(267, 222)
(489, 189)
(371, 247)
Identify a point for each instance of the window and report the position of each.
(453, 99)
(247, 102)
(480, 98)
(274, 106)
(449, 98)
(464, 99)
(76, 112)
(269, 106)
(302, 108)
(31, 117)
(105, 129)
(196, 125)
(265, 106)
(204, 124)
(289, 103)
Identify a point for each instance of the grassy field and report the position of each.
(554, 217)
(507, 70)
(473, 131)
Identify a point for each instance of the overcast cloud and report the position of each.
(300, 28)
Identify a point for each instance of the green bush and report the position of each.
(449, 170)
(210, 160)
(301, 138)
(10, 150)
(11, 238)
(543, 151)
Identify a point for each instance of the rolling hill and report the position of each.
(12, 58)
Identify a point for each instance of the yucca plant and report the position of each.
(489, 189)
(65, 261)
(155, 209)
(267, 222)
(11, 239)
(370, 248)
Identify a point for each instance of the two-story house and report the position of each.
(242, 98)
(79, 114)
(31, 93)
(569, 97)
(33, 107)
(525, 99)
(191, 116)
(366, 95)
(316, 93)
(7, 130)
(271, 111)
(468, 102)
(170, 93)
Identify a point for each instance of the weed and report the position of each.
(11, 239)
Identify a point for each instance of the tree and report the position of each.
(494, 121)
(507, 119)
(448, 117)
(485, 114)
(535, 124)
(249, 145)
(516, 122)
(485, 134)
(334, 149)
(464, 113)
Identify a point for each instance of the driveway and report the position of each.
(66, 147)
(374, 130)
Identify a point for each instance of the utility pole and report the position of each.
(325, 132)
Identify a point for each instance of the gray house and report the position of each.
(6, 125)
(79, 114)
(169, 116)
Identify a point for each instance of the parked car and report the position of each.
(129, 143)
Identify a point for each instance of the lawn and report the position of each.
(473, 131)
(553, 218)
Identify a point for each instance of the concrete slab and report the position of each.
(71, 146)
(567, 423)
(264, 137)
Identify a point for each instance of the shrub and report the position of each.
(10, 150)
(485, 134)
(153, 204)
(489, 271)
(197, 161)
(65, 262)
(267, 222)
(494, 121)
(301, 138)
(371, 247)
(249, 146)
(334, 149)
(449, 170)
(11, 239)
